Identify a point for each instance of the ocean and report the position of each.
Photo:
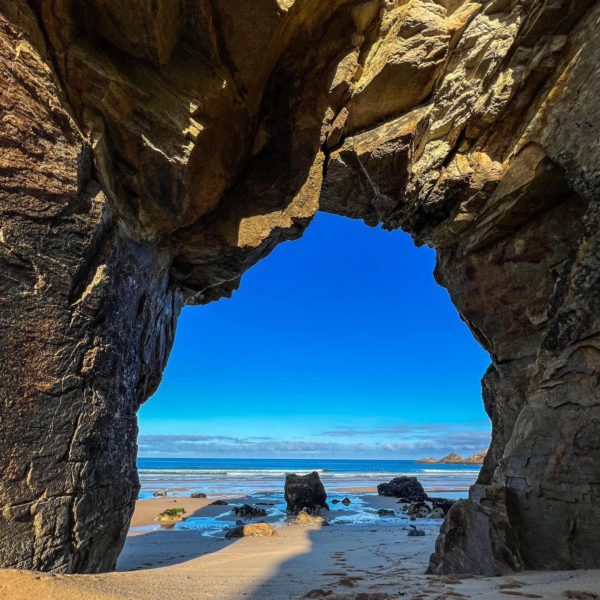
(234, 476)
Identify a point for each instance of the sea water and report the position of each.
(231, 476)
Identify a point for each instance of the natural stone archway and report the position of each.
(151, 152)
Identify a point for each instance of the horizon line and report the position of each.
(282, 458)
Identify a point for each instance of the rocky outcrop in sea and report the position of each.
(455, 459)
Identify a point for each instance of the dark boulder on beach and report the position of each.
(246, 511)
(408, 489)
(254, 529)
(218, 503)
(198, 495)
(305, 492)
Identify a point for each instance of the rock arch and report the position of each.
(151, 152)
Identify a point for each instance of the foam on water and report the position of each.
(248, 476)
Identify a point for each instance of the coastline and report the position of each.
(339, 562)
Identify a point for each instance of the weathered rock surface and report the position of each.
(305, 493)
(491, 545)
(407, 489)
(251, 530)
(154, 151)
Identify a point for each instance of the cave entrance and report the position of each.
(337, 347)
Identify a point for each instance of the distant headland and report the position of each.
(455, 459)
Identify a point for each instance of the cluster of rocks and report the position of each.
(246, 511)
(171, 516)
(306, 498)
(416, 503)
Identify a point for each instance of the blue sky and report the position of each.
(338, 345)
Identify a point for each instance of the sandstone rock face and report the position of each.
(154, 151)
(253, 529)
(305, 493)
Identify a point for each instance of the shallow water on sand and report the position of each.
(362, 511)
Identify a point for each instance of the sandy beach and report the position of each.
(344, 562)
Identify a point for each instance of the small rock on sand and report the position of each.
(414, 532)
(305, 518)
(419, 510)
(253, 529)
(249, 512)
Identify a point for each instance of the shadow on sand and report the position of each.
(163, 546)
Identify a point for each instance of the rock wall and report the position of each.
(154, 151)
